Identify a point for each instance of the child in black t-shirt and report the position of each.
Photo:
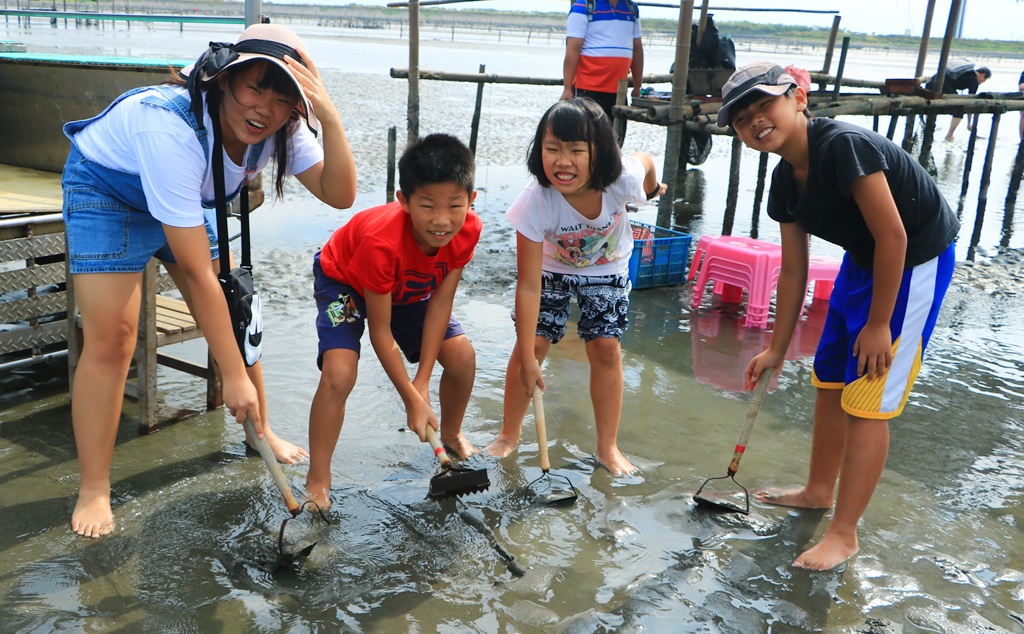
(857, 189)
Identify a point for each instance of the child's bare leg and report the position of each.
(458, 358)
(109, 304)
(284, 451)
(516, 403)
(867, 446)
(827, 447)
(606, 385)
(326, 415)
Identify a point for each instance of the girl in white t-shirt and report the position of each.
(574, 239)
(138, 184)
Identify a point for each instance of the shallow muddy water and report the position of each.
(942, 543)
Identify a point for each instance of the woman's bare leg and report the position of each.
(284, 451)
(109, 306)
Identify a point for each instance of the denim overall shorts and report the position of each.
(107, 223)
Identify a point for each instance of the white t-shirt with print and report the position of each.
(163, 150)
(574, 244)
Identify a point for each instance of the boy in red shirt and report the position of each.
(395, 268)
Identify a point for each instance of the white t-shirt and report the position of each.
(163, 150)
(574, 244)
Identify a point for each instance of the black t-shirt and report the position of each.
(839, 154)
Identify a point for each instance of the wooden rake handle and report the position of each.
(542, 429)
(748, 424)
(275, 469)
(435, 443)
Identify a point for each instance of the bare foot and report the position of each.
(793, 497)
(501, 447)
(459, 446)
(319, 493)
(949, 137)
(830, 553)
(615, 463)
(284, 451)
(92, 516)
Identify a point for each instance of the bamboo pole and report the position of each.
(826, 67)
(413, 110)
(1015, 178)
(922, 52)
(893, 120)
(842, 67)
(703, 23)
(986, 177)
(619, 122)
(392, 147)
(673, 140)
(762, 173)
(940, 78)
(474, 126)
(969, 160)
(734, 186)
(926, 35)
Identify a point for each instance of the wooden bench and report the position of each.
(37, 295)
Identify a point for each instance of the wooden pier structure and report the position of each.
(686, 115)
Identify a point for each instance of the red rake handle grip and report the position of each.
(542, 429)
(275, 469)
(748, 424)
(435, 443)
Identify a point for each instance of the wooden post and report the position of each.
(392, 142)
(413, 111)
(673, 137)
(734, 186)
(762, 173)
(619, 122)
(842, 67)
(474, 127)
(826, 68)
(986, 177)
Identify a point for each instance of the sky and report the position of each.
(983, 19)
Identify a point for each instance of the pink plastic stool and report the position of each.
(744, 262)
(822, 271)
(730, 294)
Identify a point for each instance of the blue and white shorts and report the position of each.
(913, 319)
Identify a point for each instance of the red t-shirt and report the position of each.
(375, 251)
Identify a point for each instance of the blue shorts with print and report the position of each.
(341, 319)
(603, 302)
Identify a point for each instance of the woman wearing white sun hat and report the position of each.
(138, 183)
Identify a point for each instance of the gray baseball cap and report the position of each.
(766, 77)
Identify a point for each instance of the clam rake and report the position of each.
(551, 495)
(723, 502)
(453, 481)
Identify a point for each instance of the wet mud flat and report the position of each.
(941, 544)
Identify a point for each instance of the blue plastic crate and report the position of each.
(659, 256)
